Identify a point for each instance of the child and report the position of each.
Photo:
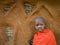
(44, 36)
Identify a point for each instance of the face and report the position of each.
(39, 25)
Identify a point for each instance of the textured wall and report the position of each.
(23, 24)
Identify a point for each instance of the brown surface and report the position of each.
(22, 23)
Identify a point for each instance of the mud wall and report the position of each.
(23, 24)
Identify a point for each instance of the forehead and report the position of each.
(39, 20)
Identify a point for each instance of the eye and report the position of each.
(41, 24)
(37, 24)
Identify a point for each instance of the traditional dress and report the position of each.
(46, 37)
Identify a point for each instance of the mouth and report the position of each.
(39, 29)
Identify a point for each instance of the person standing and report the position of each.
(44, 36)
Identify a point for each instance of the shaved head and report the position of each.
(41, 19)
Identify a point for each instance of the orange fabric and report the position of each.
(44, 38)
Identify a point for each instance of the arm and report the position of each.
(31, 41)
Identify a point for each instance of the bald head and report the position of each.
(39, 19)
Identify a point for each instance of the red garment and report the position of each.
(44, 38)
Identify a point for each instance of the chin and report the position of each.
(40, 30)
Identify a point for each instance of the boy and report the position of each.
(44, 36)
